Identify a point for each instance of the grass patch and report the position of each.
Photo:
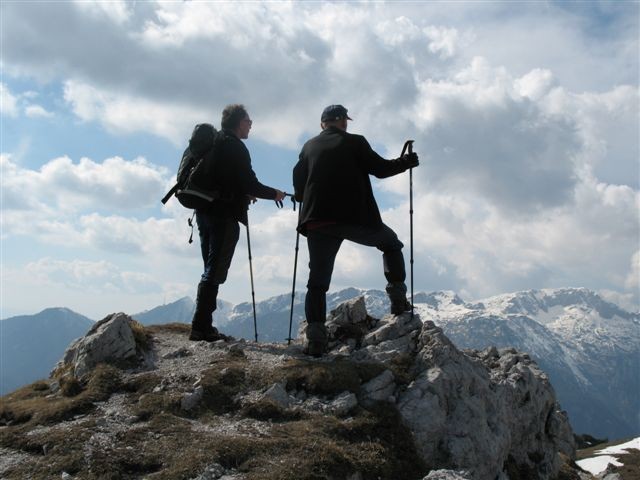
(54, 451)
(318, 378)
(141, 335)
(35, 406)
(631, 465)
(268, 410)
(177, 328)
(374, 444)
(221, 384)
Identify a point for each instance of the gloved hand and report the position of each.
(410, 160)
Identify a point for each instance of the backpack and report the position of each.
(193, 187)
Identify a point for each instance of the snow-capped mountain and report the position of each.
(590, 348)
(180, 311)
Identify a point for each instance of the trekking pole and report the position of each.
(280, 204)
(253, 293)
(409, 145)
(293, 288)
(295, 264)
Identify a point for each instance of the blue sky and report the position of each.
(525, 116)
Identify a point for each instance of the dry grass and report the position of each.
(141, 335)
(163, 444)
(35, 405)
(177, 328)
(321, 378)
(631, 465)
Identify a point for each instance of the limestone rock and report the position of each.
(377, 389)
(483, 415)
(192, 399)
(278, 395)
(110, 340)
(447, 475)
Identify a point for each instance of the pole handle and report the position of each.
(407, 145)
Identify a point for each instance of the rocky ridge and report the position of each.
(394, 398)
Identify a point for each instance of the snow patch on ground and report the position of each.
(598, 464)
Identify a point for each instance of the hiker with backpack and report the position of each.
(331, 179)
(234, 184)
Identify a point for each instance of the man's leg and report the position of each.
(385, 240)
(218, 239)
(322, 254)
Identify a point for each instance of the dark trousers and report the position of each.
(324, 244)
(218, 239)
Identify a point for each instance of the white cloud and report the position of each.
(488, 251)
(526, 123)
(443, 41)
(92, 288)
(535, 84)
(124, 113)
(13, 105)
(37, 111)
(8, 101)
(64, 186)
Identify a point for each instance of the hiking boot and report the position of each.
(398, 307)
(397, 293)
(315, 349)
(209, 334)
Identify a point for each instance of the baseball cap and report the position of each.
(334, 112)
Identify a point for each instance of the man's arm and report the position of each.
(380, 167)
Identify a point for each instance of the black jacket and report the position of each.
(234, 178)
(331, 179)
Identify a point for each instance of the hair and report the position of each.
(232, 115)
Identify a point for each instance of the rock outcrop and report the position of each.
(393, 398)
(489, 413)
(111, 340)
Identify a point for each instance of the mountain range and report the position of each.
(30, 345)
(589, 348)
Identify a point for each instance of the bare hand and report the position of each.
(279, 195)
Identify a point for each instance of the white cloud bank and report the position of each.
(527, 126)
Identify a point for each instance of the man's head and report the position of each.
(236, 119)
(334, 116)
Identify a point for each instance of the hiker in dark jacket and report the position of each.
(331, 179)
(218, 225)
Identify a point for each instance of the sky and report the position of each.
(525, 116)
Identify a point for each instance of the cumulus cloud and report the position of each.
(124, 113)
(486, 251)
(89, 275)
(526, 124)
(37, 111)
(64, 186)
(8, 100)
(15, 104)
(93, 288)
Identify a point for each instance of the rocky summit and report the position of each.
(393, 399)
